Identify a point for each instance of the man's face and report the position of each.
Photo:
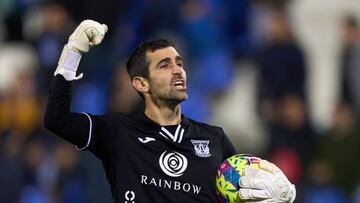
(167, 77)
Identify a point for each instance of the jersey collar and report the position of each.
(145, 124)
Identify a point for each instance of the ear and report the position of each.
(140, 84)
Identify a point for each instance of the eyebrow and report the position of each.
(178, 58)
(168, 59)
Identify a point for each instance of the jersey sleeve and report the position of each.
(85, 131)
(228, 147)
(102, 135)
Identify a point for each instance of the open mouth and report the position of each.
(180, 84)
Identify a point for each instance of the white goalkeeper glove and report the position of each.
(89, 33)
(266, 184)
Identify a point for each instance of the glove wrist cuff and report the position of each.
(69, 59)
(68, 63)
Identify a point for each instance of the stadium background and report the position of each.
(279, 76)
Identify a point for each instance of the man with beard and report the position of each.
(159, 155)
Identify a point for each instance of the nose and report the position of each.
(177, 70)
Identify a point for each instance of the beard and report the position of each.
(167, 93)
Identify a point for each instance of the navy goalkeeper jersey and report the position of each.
(144, 162)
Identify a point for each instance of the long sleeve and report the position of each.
(73, 127)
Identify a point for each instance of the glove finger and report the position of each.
(98, 36)
(105, 27)
(272, 168)
(253, 183)
(95, 32)
(248, 182)
(245, 182)
(254, 176)
(268, 166)
(94, 36)
(251, 171)
(252, 194)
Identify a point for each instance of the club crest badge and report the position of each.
(201, 148)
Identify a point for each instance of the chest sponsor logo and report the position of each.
(170, 184)
(201, 148)
(173, 164)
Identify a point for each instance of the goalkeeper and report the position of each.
(159, 155)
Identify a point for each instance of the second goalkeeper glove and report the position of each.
(266, 184)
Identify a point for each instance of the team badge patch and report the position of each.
(201, 148)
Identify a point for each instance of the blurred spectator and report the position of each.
(70, 185)
(350, 63)
(350, 37)
(11, 177)
(282, 97)
(11, 65)
(335, 161)
(281, 65)
(56, 28)
(19, 108)
(291, 136)
(34, 153)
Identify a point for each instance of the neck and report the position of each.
(164, 114)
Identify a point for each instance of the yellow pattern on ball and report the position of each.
(228, 174)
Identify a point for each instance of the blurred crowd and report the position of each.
(247, 72)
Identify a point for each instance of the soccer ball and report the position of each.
(228, 174)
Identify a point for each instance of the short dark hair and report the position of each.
(138, 63)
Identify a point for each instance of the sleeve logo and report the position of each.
(173, 164)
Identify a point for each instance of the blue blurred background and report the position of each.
(281, 78)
